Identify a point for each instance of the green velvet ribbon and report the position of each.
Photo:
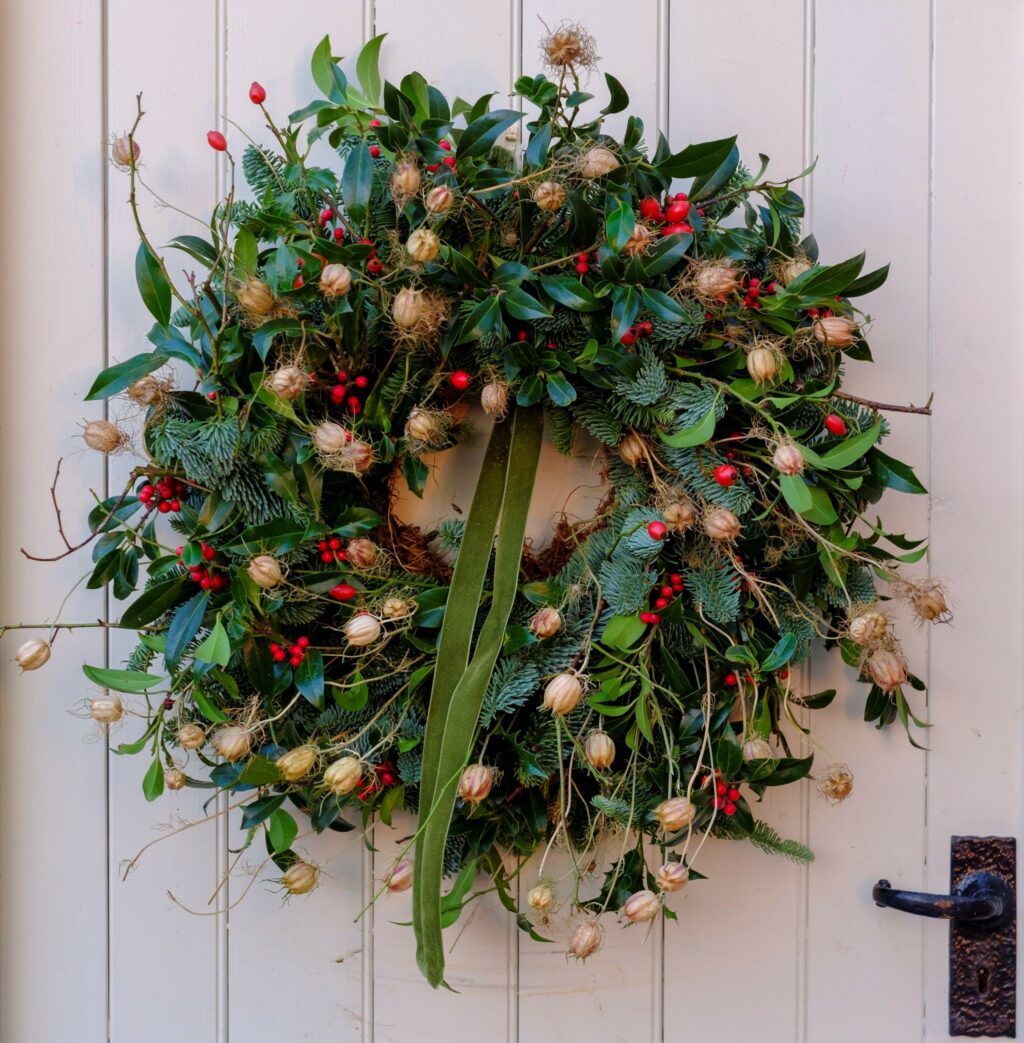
(501, 501)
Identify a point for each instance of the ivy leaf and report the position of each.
(153, 285)
(357, 181)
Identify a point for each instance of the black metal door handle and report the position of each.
(982, 900)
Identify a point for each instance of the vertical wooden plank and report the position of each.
(748, 895)
(870, 191)
(171, 56)
(975, 767)
(317, 945)
(53, 909)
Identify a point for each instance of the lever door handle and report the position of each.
(983, 900)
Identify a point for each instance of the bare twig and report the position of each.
(887, 407)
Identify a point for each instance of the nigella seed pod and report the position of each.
(335, 280)
(174, 779)
(794, 269)
(331, 438)
(722, 525)
(641, 907)
(288, 382)
(475, 783)
(540, 898)
(494, 399)
(399, 877)
(887, 669)
(439, 199)
(763, 365)
(423, 245)
(836, 331)
(836, 784)
(265, 571)
(868, 627)
(231, 742)
(255, 297)
(562, 693)
(103, 436)
(675, 814)
(586, 939)
(362, 553)
(425, 426)
(33, 654)
(106, 709)
(124, 152)
(789, 459)
(191, 737)
(599, 161)
(549, 196)
(398, 608)
(673, 876)
(929, 603)
(717, 280)
(362, 630)
(406, 179)
(409, 308)
(296, 764)
(756, 750)
(300, 878)
(639, 240)
(680, 515)
(599, 749)
(343, 775)
(546, 622)
(633, 449)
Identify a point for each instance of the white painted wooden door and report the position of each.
(913, 108)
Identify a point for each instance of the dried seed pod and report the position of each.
(426, 426)
(639, 240)
(232, 742)
(598, 161)
(475, 783)
(673, 876)
(362, 630)
(494, 399)
(255, 297)
(837, 331)
(343, 775)
(398, 608)
(104, 437)
(439, 199)
(149, 391)
(423, 245)
(406, 179)
(331, 438)
(174, 779)
(867, 628)
(789, 459)
(721, 524)
(886, 668)
(716, 281)
(562, 693)
(546, 622)
(265, 571)
(568, 45)
(549, 195)
(633, 449)
(32, 654)
(836, 784)
(409, 308)
(300, 878)
(106, 709)
(763, 365)
(756, 750)
(586, 939)
(675, 814)
(288, 382)
(335, 280)
(399, 877)
(599, 749)
(641, 907)
(794, 269)
(362, 553)
(124, 153)
(191, 736)
(929, 603)
(540, 898)
(296, 764)
(680, 515)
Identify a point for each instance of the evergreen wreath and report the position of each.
(304, 649)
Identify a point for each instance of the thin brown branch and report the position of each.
(888, 407)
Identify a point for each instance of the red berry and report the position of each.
(734, 794)
(338, 394)
(325, 215)
(326, 556)
(730, 809)
(677, 212)
(678, 229)
(582, 268)
(146, 490)
(257, 94)
(355, 407)
(375, 151)
(374, 266)
(460, 379)
(782, 674)
(339, 233)
(666, 592)
(650, 209)
(680, 195)
(654, 619)
(662, 603)
(720, 789)
(725, 474)
(208, 552)
(164, 507)
(216, 141)
(168, 704)
(279, 655)
(195, 575)
(657, 530)
(729, 680)
(446, 145)
(206, 583)
(343, 592)
(362, 382)
(219, 582)
(522, 335)
(675, 578)
(387, 778)
(296, 660)
(302, 642)
(629, 338)
(322, 545)
(433, 167)
(335, 544)
(376, 123)
(835, 424)
(274, 647)
(449, 161)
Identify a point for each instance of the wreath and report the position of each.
(304, 648)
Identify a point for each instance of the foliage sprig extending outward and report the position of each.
(303, 647)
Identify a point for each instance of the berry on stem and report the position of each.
(460, 379)
(257, 94)
(657, 530)
(217, 141)
(835, 424)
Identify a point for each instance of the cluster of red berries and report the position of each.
(204, 573)
(726, 793)
(448, 161)
(747, 470)
(374, 265)
(639, 329)
(673, 217)
(582, 263)
(752, 291)
(663, 596)
(332, 550)
(326, 217)
(343, 393)
(293, 653)
(381, 776)
(163, 494)
(820, 313)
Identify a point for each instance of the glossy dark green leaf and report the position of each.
(618, 98)
(116, 378)
(560, 391)
(357, 180)
(522, 305)
(153, 782)
(152, 603)
(185, 624)
(368, 68)
(154, 288)
(570, 292)
(867, 283)
(479, 137)
(894, 473)
(197, 247)
(309, 677)
(696, 160)
(122, 680)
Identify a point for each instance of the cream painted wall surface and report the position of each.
(912, 109)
